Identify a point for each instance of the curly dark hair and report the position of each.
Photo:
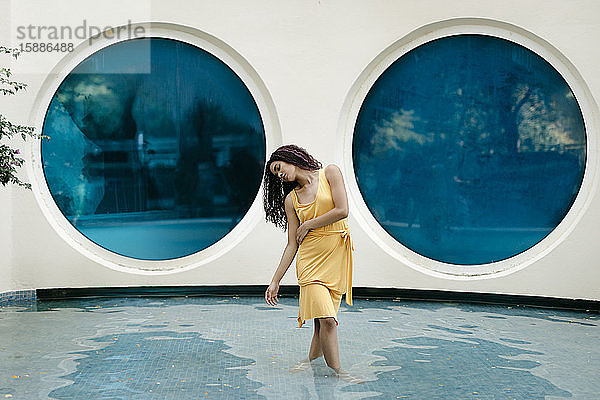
(275, 190)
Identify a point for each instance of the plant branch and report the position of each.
(9, 157)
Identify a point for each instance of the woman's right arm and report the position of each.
(288, 253)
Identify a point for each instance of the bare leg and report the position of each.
(314, 352)
(315, 346)
(329, 342)
(324, 342)
(329, 345)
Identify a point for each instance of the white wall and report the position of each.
(309, 54)
(6, 262)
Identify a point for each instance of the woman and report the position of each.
(311, 202)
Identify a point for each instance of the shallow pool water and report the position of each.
(239, 347)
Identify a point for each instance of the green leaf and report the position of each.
(9, 162)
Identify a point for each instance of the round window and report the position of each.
(469, 149)
(157, 148)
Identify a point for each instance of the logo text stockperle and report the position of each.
(83, 31)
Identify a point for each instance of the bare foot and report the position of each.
(345, 376)
(301, 366)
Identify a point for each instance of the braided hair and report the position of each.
(275, 189)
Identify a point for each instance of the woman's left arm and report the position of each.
(340, 203)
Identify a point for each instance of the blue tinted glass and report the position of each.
(469, 149)
(154, 165)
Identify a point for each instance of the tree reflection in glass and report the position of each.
(479, 145)
(153, 158)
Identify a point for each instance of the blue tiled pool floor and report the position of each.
(232, 348)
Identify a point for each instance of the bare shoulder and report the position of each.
(333, 173)
(288, 200)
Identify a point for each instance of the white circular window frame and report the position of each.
(80, 242)
(452, 27)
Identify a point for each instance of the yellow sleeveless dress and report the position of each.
(324, 258)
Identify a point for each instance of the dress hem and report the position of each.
(302, 322)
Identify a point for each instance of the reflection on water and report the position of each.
(159, 365)
(237, 347)
(431, 368)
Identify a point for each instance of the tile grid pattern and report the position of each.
(236, 347)
(16, 296)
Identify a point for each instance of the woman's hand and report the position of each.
(271, 294)
(302, 231)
